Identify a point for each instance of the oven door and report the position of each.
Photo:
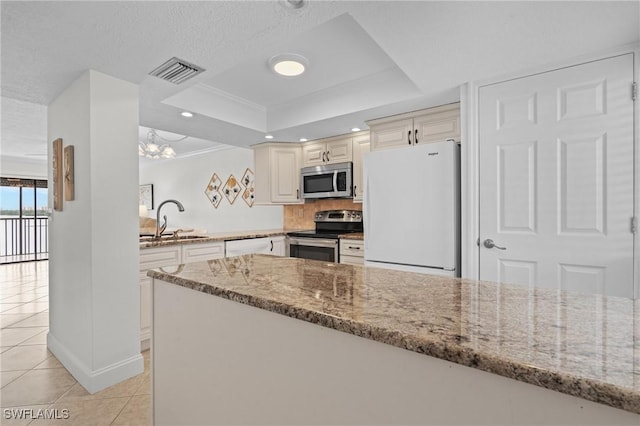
(325, 249)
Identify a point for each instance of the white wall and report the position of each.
(94, 298)
(185, 180)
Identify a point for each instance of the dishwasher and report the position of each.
(248, 246)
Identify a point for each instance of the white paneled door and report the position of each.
(556, 179)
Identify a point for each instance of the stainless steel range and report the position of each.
(322, 243)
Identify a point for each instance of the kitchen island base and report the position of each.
(216, 361)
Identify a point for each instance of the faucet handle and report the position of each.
(163, 226)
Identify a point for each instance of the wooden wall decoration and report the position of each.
(57, 174)
(69, 184)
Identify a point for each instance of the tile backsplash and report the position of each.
(300, 216)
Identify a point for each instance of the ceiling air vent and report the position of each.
(176, 71)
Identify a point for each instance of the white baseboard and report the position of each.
(95, 380)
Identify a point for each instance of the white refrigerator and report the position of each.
(412, 208)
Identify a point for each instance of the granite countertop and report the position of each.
(146, 242)
(579, 344)
(352, 236)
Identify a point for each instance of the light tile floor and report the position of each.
(33, 379)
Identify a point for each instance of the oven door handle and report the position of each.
(313, 242)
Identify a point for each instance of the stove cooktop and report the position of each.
(333, 223)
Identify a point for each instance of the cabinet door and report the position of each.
(361, 146)
(285, 175)
(154, 257)
(202, 251)
(437, 127)
(313, 154)
(339, 151)
(279, 246)
(262, 169)
(393, 134)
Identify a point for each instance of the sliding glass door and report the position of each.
(24, 220)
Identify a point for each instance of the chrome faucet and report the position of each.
(160, 228)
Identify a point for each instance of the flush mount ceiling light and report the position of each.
(288, 64)
(186, 114)
(293, 4)
(355, 129)
(303, 139)
(154, 149)
(268, 136)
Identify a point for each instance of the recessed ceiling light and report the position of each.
(303, 139)
(355, 129)
(293, 4)
(288, 64)
(268, 136)
(186, 114)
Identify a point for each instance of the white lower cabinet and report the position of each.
(352, 252)
(157, 257)
(205, 251)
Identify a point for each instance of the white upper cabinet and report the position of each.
(361, 145)
(437, 126)
(415, 128)
(391, 134)
(327, 151)
(277, 173)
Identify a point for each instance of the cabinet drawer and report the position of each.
(351, 248)
(352, 260)
(159, 256)
(205, 251)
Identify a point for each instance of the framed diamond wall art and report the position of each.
(248, 182)
(231, 189)
(212, 191)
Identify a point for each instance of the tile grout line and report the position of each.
(121, 410)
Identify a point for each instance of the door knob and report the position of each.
(488, 243)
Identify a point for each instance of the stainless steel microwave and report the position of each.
(327, 181)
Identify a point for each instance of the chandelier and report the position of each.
(154, 147)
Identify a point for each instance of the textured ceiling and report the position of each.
(418, 53)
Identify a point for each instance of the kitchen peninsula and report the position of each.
(258, 339)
